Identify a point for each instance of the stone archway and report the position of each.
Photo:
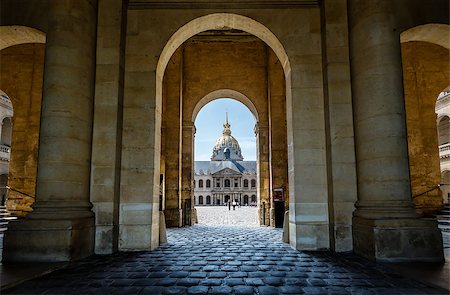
(237, 187)
(21, 76)
(14, 35)
(225, 93)
(304, 121)
(175, 52)
(425, 61)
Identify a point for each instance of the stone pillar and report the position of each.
(278, 131)
(172, 109)
(263, 181)
(341, 161)
(385, 225)
(108, 118)
(61, 227)
(187, 170)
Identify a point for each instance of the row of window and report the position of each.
(227, 198)
(227, 183)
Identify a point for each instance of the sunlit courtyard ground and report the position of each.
(220, 215)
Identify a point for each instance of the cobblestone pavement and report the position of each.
(224, 260)
(220, 215)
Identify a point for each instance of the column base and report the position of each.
(174, 217)
(398, 240)
(49, 240)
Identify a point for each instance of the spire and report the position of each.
(226, 126)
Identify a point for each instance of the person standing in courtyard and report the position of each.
(229, 205)
(234, 205)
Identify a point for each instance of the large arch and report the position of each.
(22, 52)
(425, 61)
(14, 35)
(438, 34)
(225, 93)
(221, 21)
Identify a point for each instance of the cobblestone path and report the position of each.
(224, 260)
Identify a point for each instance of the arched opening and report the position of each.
(200, 183)
(208, 183)
(6, 136)
(225, 154)
(426, 67)
(200, 200)
(208, 200)
(21, 77)
(443, 130)
(245, 200)
(208, 37)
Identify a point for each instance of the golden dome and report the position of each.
(227, 147)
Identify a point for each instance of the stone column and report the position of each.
(187, 169)
(61, 227)
(108, 119)
(342, 189)
(278, 131)
(385, 225)
(172, 111)
(263, 182)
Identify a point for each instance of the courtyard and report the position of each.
(221, 215)
(226, 253)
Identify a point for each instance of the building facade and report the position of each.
(227, 177)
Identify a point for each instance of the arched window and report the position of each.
(227, 183)
(208, 183)
(253, 199)
(227, 198)
(246, 199)
(253, 183)
(200, 200)
(6, 132)
(444, 130)
(208, 200)
(200, 183)
(245, 182)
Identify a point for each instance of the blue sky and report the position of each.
(209, 126)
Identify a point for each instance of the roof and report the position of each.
(211, 167)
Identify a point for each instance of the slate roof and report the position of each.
(211, 167)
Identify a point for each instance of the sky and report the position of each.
(209, 126)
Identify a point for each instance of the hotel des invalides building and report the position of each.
(105, 93)
(227, 178)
